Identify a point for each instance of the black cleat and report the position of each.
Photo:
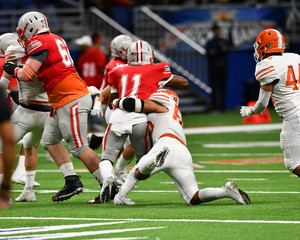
(72, 186)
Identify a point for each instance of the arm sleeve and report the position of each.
(262, 102)
(40, 56)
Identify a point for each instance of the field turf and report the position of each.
(252, 159)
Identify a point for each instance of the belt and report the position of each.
(36, 107)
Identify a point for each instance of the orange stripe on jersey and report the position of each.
(160, 96)
(70, 88)
(9, 56)
(265, 74)
(263, 71)
(172, 136)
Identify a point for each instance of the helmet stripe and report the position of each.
(280, 42)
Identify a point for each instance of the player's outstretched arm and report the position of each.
(178, 82)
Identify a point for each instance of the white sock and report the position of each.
(21, 165)
(121, 163)
(98, 176)
(30, 176)
(129, 183)
(106, 168)
(210, 194)
(67, 169)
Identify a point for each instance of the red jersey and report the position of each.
(90, 64)
(58, 63)
(58, 73)
(138, 81)
(114, 62)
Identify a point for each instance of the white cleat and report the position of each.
(21, 179)
(26, 196)
(118, 200)
(237, 194)
(120, 177)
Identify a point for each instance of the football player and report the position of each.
(30, 115)
(278, 75)
(50, 61)
(118, 48)
(169, 152)
(140, 78)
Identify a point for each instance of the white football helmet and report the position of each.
(119, 46)
(6, 40)
(139, 53)
(31, 24)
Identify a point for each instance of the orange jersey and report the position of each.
(58, 73)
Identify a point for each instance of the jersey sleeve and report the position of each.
(14, 53)
(265, 72)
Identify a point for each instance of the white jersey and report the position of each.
(167, 124)
(28, 90)
(286, 93)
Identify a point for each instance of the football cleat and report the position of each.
(20, 178)
(237, 194)
(118, 200)
(96, 200)
(108, 190)
(72, 186)
(120, 177)
(160, 158)
(26, 196)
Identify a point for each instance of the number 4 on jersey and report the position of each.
(291, 78)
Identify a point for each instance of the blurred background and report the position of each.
(179, 32)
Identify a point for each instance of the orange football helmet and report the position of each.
(268, 41)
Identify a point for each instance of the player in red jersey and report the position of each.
(90, 65)
(49, 59)
(139, 79)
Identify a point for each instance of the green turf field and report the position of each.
(252, 159)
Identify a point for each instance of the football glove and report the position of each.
(9, 68)
(97, 110)
(246, 111)
(93, 90)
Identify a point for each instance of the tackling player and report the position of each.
(140, 78)
(169, 153)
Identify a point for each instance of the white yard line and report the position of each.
(155, 220)
(236, 128)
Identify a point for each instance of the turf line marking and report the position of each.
(237, 128)
(241, 171)
(241, 145)
(237, 154)
(197, 171)
(53, 228)
(156, 220)
(78, 234)
(157, 191)
(247, 179)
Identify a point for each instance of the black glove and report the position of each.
(9, 68)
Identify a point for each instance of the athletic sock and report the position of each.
(67, 169)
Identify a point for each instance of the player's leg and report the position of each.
(51, 142)
(111, 146)
(290, 143)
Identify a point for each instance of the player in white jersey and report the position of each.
(28, 118)
(169, 153)
(278, 74)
